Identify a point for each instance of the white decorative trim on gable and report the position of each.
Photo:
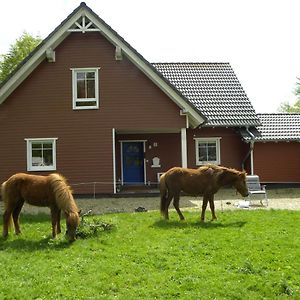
(118, 53)
(83, 25)
(50, 54)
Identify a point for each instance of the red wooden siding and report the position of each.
(233, 149)
(41, 107)
(277, 162)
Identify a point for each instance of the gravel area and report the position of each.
(110, 205)
(283, 199)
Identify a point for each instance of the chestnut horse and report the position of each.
(204, 181)
(51, 191)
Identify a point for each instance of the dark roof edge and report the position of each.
(279, 114)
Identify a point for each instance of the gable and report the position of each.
(82, 20)
(128, 100)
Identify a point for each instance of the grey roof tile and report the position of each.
(277, 127)
(213, 89)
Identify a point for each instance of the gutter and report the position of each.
(250, 152)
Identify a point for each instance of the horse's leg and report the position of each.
(167, 204)
(58, 221)
(16, 214)
(54, 221)
(212, 207)
(204, 205)
(6, 221)
(176, 205)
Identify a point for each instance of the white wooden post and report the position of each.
(114, 159)
(183, 148)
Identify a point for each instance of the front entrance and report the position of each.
(133, 171)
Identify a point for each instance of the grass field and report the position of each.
(244, 255)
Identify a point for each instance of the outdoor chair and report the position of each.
(256, 188)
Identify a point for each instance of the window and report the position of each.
(41, 154)
(207, 151)
(85, 88)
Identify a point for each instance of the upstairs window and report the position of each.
(207, 151)
(41, 154)
(85, 88)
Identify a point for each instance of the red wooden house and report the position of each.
(86, 104)
(276, 148)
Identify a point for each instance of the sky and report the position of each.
(259, 38)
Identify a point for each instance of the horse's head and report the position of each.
(72, 221)
(241, 185)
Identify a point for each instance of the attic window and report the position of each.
(85, 88)
(83, 25)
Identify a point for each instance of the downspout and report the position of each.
(250, 152)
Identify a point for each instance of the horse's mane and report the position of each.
(223, 175)
(63, 193)
(222, 169)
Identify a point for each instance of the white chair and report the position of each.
(256, 188)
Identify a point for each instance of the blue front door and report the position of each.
(133, 162)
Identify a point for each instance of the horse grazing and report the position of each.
(51, 191)
(204, 181)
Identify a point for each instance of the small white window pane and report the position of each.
(80, 89)
(80, 76)
(90, 89)
(90, 75)
(86, 103)
(48, 157)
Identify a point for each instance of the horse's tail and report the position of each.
(4, 198)
(163, 194)
(63, 193)
(3, 193)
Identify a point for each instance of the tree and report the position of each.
(297, 88)
(290, 108)
(17, 52)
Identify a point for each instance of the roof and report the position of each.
(276, 127)
(214, 89)
(195, 116)
(204, 91)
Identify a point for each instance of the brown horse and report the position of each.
(51, 191)
(204, 181)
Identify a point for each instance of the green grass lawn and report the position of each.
(243, 255)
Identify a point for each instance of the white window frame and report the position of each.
(74, 89)
(208, 140)
(29, 142)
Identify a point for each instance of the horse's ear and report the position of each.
(243, 174)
